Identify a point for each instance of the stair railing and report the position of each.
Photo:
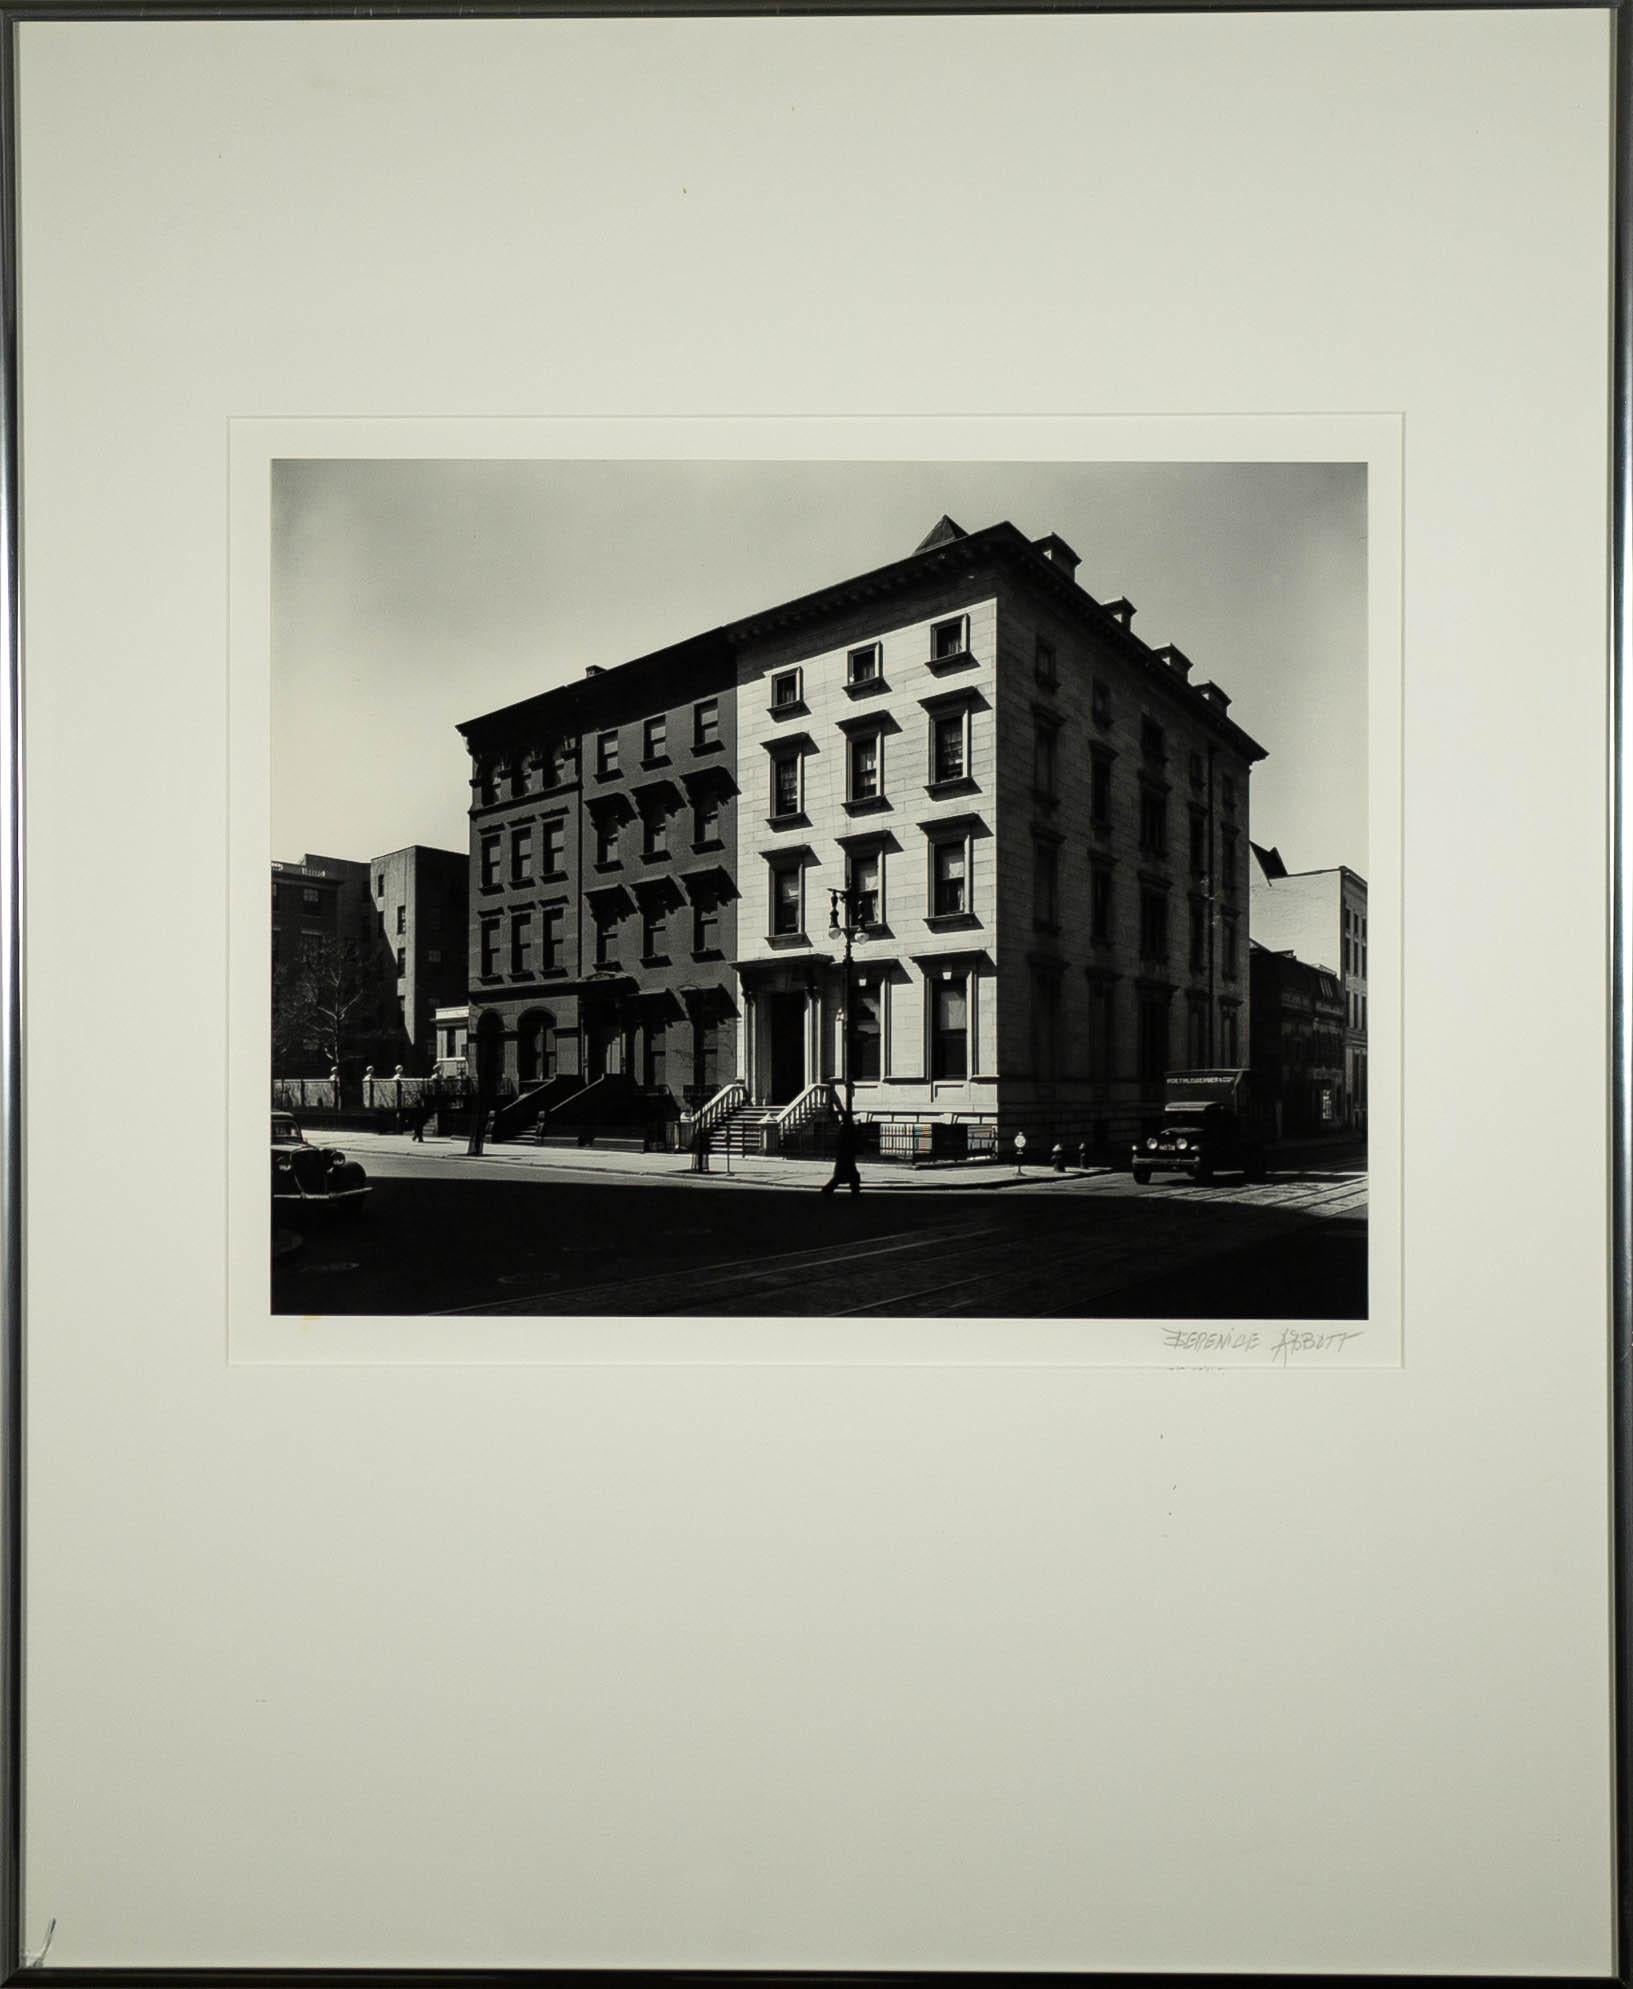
(816, 1101)
(720, 1107)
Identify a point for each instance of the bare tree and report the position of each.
(333, 1000)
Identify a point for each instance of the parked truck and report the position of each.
(1213, 1122)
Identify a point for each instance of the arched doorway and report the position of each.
(536, 1047)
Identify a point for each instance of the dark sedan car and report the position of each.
(307, 1178)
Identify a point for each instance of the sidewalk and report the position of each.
(747, 1170)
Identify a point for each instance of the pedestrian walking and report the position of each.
(845, 1170)
(422, 1112)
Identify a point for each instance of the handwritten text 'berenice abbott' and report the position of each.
(1287, 1343)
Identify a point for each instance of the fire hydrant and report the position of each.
(1020, 1151)
(1059, 1158)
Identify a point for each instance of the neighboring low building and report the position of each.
(1297, 1050)
(1321, 917)
(452, 1026)
(603, 911)
(319, 898)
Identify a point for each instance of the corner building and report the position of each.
(1045, 826)
(1042, 822)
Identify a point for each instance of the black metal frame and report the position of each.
(13, 1431)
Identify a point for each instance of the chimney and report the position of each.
(1175, 658)
(1215, 696)
(1058, 553)
(1120, 610)
(594, 670)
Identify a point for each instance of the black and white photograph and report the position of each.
(820, 888)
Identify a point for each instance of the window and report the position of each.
(864, 665)
(402, 918)
(949, 639)
(1043, 663)
(655, 738)
(1228, 859)
(1230, 1047)
(606, 936)
(606, 752)
(947, 755)
(1196, 770)
(550, 939)
(706, 1057)
(1199, 937)
(949, 1027)
(1153, 822)
(1100, 701)
(1153, 1038)
(1199, 842)
(1153, 741)
(1153, 925)
(521, 853)
(606, 839)
(521, 942)
(705, 928)
(1045, 1015)
(1229, 936)
(706, 819)
(1196, 1033)
(490, 948)
(379, 886)
(1100, 1025)
(654, 833)
(433, 957)
(865, 765)
(654, 932)
(706, 723)
(1046, 886)
(864, 879)
(656, 1047)
(866, 1037)
(516, 777)
(787, 901)
(490, 863)
(785, 690)
(949, 872)
(1100, 905)
(555, 835)
(311, 896)
(402, 961)
(1100, 790)
(488, 780)
(1043, 759)
(785, 784)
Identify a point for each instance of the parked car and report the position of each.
(307, 1178)
(1212, 1122)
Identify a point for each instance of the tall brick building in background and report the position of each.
(1042, 820)
(1320, 916)
(404, 913)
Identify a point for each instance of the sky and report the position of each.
(409, 595)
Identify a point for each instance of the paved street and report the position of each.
(520, 1232)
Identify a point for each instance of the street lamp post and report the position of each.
(843, 923)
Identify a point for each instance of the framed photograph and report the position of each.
(814, 1047)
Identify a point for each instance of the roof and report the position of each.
(945, 549)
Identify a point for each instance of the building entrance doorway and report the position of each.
(602, 1043)
(786, 1015)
